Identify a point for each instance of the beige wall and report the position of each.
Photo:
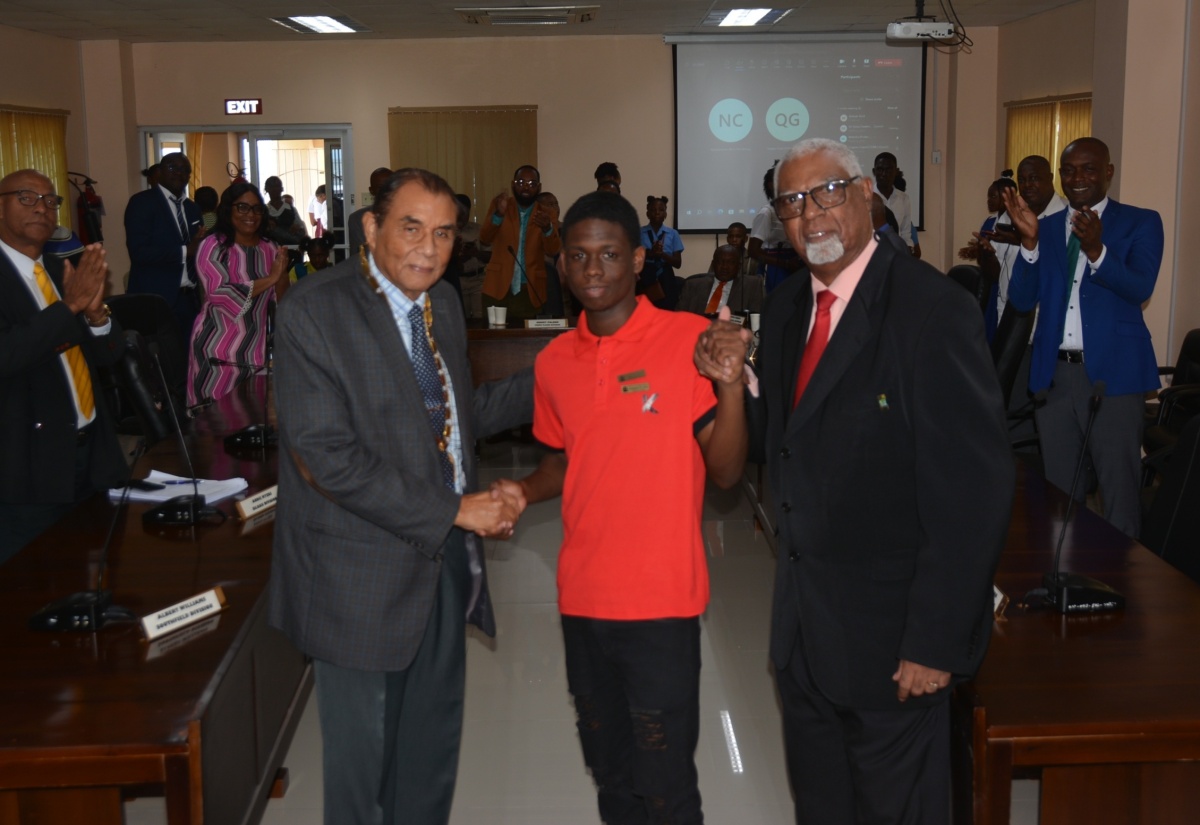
(44, 72)
(1047, 54)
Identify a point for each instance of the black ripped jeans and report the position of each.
(637, 699)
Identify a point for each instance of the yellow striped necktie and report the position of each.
(79, 367)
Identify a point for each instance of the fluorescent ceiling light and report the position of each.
(745, 17)
(320, 24)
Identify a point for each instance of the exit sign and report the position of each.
(252, 106)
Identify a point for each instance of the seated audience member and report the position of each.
(317, 250)
(58, 441)
(707, 292)
(207, 199)
(664, 255)
(473, 257)
(354, 223)
(608, 178)
(768, 242)
(241, 274)
(737, 235)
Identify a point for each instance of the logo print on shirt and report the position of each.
(648, 403)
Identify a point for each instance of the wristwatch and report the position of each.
(106, 311)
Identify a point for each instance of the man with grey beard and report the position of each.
(881, 422)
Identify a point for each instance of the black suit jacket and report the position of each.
(37, 413)
(892, 478)
(745, 294)
(154, 242)
(363, 514)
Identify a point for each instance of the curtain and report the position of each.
(37, 139)
(1074, 122)
(475, 149)
(1030, 132)
(193, 147)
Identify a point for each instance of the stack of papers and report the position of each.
(213, 491)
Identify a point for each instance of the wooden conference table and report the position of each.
(1105, 707)
(497, 353)
(204, 715)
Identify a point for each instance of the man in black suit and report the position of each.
(883, 428)
(377, 564)
(57, 439)
(706, 293)
(163, 227)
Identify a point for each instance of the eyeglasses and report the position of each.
(525, 181)
(28, 197)
(826, 196)
(247, 208)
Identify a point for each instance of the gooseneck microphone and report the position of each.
(1071, 592)
(525, 275)
(180, 511)
(89, 610)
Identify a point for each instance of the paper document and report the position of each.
(213, 491)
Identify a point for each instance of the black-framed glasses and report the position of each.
(247, 208)
(28, 197)
(525, 181)
(826, 196)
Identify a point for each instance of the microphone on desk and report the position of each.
(89, 610)
(525, 275)
(1071, 592)
(253, 436)
(180, 511)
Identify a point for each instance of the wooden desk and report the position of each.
(1106, 707)
(204, 716)
(498, 353)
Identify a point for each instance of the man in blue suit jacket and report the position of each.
(1091, 275)
(162, 230)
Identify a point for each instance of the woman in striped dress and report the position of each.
(240, 276)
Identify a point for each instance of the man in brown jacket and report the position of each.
(521, 233)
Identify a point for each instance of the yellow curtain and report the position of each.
(37, 139)
(193, 147)
(1030, 132)
(1074, 122)
(475, 150)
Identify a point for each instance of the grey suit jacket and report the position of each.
(745, 294)
(363, 513)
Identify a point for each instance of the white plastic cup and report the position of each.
(491, 316)
(501, 316)
(755, 318)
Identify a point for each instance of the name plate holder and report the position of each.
(546, 323)
(189, 611)
(258, 503)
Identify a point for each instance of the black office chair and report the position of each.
(151, 316)
(1171, 528)
(970, 278)
(141, 399)
(1176, 405)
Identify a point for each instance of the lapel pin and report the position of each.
(882, 399)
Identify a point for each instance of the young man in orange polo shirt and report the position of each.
(639, 428)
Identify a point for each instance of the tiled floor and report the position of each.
(521, 763)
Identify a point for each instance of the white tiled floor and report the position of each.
(521, 763)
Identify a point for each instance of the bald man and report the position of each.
(57, 440)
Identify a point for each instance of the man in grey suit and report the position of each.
(377, 564)
(706, 293)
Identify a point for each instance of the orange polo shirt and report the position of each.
(625, 408)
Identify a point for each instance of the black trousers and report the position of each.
(637, 698)
(849, 766)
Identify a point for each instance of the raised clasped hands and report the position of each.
(83, 285)
(720, 352)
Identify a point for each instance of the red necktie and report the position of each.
(816, 343)
(714, 303)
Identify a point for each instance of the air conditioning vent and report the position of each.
(529, 15)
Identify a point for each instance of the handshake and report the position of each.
(493, 513)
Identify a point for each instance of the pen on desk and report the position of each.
(177, 481)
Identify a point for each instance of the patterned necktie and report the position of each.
(179, 219)
(816, 343)
(433, 389)
(714, 303)
(75, 359)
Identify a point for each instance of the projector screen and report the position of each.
(740, 105)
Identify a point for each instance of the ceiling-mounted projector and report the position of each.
(916, 30)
